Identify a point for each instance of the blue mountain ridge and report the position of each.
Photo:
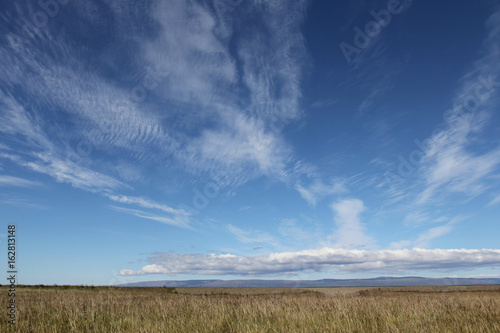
(382, 281)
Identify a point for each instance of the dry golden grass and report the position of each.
(74, 309)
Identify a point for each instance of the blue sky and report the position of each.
(250, 139)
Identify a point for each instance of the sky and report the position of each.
(249, 139)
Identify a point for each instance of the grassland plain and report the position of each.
(386, 309)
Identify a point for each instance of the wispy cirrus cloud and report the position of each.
(176, 217)
(416, 218)
(495, 201)
(252, 236)
(322, 260)
(425, 238)
(450, 163)
(214, 90)
(17, 182)
(19, 120)
(146, 203)
(294, 233)
(22, 202)
(241, 149)
(246, 90)
(61, 108)
(66, 171)
(178, 220)
(318, 189)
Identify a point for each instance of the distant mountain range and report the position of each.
(374, 282)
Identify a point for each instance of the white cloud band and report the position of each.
(321, 260)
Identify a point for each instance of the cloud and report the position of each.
(350, 231)
(198, 60)
(495, 201)
(17, 120)
(244, 82)
(17, 182)
(400, 245)
(453, 169)
(296, 235)
(212, 92)
(66, 171)
(43, 155)
(317, 190)
(425, 238)
(253, 236)
(245, 208)
(322, 260)
(181, 221)
(146, 203)
(450, 165)
(62, 107)
(382, 82)
(242, 148)
(22, 202)
(101, 112)
(178, 218)
(415, 218)
(300, 169)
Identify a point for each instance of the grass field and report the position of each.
(397, 309)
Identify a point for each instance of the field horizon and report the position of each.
(188, 309)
